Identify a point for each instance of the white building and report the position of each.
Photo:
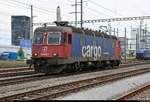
(140, 39)
(134, 38)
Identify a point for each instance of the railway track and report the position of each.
(2, 70)
(17, 73)
(134, 92)
(34, 76)
(52, 92)
(10, 72)
(20, 79)
(133, 64)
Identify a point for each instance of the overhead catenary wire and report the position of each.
(9, 3)
(97, 12)
(16, 5)
(93, 11)
(39, 8)
(34, 6)
(13, 3)
(97, 4)
(27, 6)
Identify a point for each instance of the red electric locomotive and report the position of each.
(59, 48)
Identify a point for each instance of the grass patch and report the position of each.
(12, 64)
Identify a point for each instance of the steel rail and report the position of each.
(6, 71)
(35, 77)
(22, 79)
(13, 69)
(10, 74)
(59, 90)
(133, 92)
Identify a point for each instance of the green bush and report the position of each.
(21, 54)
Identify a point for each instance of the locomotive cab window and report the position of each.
(38, 38)
(69, 39)
(54, 37)
(63, 38)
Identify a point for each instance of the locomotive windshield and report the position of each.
(54, 37)
(38, 38)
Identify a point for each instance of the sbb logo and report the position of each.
(91, 51)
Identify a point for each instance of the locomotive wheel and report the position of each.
(117, 63)
(70, 68)
(97, 65)
(77, 67)
(36, 67)
(112, 63)
(82, 66)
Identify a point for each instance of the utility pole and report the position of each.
(81, 13)
(136, 43)
(114, 31)
(125, 39)
(145, 36)
(31, 24)
(117, 32)
(140, 37)
(109, 28)
(137, 40)
(75, 13)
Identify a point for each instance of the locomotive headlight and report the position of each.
(54, 54)
(35, 54)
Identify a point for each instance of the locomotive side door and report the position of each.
(67, 47)
(117, 50)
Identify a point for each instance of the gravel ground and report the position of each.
(145, 95)
(108, 91)
(11, 89)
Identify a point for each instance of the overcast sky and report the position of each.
(45, 11)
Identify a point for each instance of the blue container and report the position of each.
(8, 56)
(4, 56)
(12, 55)
(147, 54)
